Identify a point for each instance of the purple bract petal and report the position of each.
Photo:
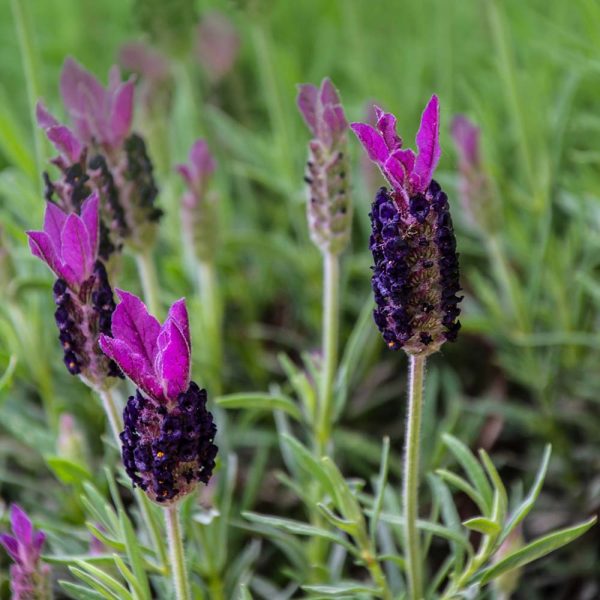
(43, 116)
(372, 141)
(65, 142)
(135, 366)
(136, 327)
(11, 545)
(307, 103)
(41, 246)
(21, 525)
(121, 114)
(466, 137)
(428, 143)
(76, 248)
(178, 313)
(54, 221)
(91, 219)
(386, 123)
(173, 359)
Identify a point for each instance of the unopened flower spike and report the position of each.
(98, 152)
(198, 208)
(415, 276)
(474, 188)
(29, 577)
(168, 431)
(68, 244)
(329, 208)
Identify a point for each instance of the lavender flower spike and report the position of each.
(168, 437)
(415, 277)
(29, 578)
(69, 246)
(329, 209)
(473, 184)
(198, 209)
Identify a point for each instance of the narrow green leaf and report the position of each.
(473, 469)
(68, 471)
(346, 502)
(342, 589)
(95, 584)
(138, 592)
(133, 553)
(536, 549)
(381, 483)
(62, 559)
(104, 578)
(78, 591)
(464, 486)
(497, 483)
(299, 528)
(261, 401)
(523, 509)
(434, 528)
(483, 525)
(308, 463)
(337, 521)
(244, 592)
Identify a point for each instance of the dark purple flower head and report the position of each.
(168, 435)
(415, 276)
(198, 208)
(83, 296)
(329, 209)
(100, 116)
(29, 577)
(407, 173)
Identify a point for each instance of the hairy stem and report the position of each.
(149, 281)
(410, 497)
(176, 554)
(331, 309)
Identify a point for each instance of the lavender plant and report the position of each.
(309, 506)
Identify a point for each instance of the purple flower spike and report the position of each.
(168, 436)
(329, 209)
(83, 296)
(199, 208)
(99, 115)
(475, 190)
(29, 578)
(415, 275)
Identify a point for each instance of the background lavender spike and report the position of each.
(329, 209)
(29, 577)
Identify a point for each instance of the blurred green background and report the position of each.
(525, 370)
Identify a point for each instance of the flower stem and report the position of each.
(411, 477)
(212, 317)
(331, 288)
(149, 281)
(112, 414)
(180, 580)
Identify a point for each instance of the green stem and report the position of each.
(116, 426)
(410, 489)
(112, 414)
(331, 288)
(29, 59)
(212, 318)
(176, 555)
(149, 281)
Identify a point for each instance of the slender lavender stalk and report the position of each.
(199, 224)
(329, 213)
(415, 279)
